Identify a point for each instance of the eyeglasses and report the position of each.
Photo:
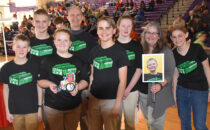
(152, 33)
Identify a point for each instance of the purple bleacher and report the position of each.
(196, 2)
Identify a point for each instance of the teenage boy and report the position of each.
(41, 22)
(22, 96)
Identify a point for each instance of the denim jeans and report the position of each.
(198, 101)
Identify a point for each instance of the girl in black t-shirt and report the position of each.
(58, 72)
(130, 97)
(192, 78)
(108, 79)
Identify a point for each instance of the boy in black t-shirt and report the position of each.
(62, 109)
(21, 95)
(108, 79)
(42, 43)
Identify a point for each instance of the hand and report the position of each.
(75, 91)
(39, 114)
(10, 117)
(53, 88)
(116, 111)
(156, 88)
(126, 93)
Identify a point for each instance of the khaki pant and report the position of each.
(99, 114)
(61, 120)
(129, 106)
(25, 121)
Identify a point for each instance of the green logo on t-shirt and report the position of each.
(63, 69)
(187, 67)
(20, 78)
(131, 55)
(102, 62)
(41, 50)
(77, 45)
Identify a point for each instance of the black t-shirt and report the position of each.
(22, 82)
(153, 77)
(90, 42)
(63, 99)
(106, 64)
(35, 42)
(191, 73)
(134, 52)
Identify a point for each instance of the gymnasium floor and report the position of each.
(172, 121)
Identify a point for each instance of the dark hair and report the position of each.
(22, 38)
(41, 12)
(58, 20)
(64, 31)
(160, 43)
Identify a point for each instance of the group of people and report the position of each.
(106, 82)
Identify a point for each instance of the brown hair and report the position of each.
(22, 38)
(160, 43)
(65, 31)
(109, 20)
(58, 20)
(183, 29)
(41, 12)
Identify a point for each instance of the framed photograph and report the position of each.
(153, 67)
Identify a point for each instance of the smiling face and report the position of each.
(21, 48)
(179, 38)
(151, 36)
(41, 23)
(152, 66)
(75, 17)
(125, 27)
(62, 42)
(105, 31)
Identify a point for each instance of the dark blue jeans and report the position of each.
(198, 101)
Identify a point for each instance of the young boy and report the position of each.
(41, 22)
(21, 95)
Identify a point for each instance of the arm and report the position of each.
(206, 68)
(91, 77)
(169, 67)
(39, 90)
(48, 84)
(121, 88)
(6, 97)
(175, 78)
(133, 82)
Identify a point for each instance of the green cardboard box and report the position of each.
(187, 67)
(102, 62)
(41, 50)
(131, 55)
(77, 45)
(20, 78)
(63, 69)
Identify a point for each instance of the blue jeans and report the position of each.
(198, 100)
